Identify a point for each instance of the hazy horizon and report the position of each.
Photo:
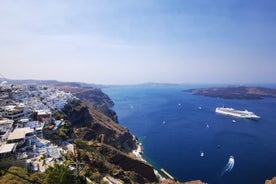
(263, 84)
(136, 42)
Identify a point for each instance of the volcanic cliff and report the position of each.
(99, 138)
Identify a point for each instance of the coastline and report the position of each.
(139, 155)
(137, 123)
(163, 180)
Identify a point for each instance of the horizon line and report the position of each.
(143, 83)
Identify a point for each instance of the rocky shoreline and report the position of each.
(139, 155)
(97, 100)
(136, 150)
(93, 120)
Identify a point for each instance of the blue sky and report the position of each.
(130, 42)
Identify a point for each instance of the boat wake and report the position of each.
(229, 166)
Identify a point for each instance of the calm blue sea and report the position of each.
(173, 127)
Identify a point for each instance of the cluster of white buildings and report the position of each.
(41, 97)
(21, 135)
(18, 101)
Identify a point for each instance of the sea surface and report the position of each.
(175, 126)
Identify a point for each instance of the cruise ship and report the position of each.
(236, 113)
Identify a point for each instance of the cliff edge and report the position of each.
(93, 97)
(103, 144)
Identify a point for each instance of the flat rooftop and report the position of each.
(43, 112)
(4, 121)
(7, 148)
(20, 133)
(12, 108)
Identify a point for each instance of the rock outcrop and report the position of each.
(94, 98)
(90, 124)
(78, 114)
(127, 163)
(272, 181)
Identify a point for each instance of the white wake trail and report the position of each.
(229, 166)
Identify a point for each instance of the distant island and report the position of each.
(240, 92)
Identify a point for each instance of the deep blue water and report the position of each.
(173, 130)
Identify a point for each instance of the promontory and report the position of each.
(235, 92)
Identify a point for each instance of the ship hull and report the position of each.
(236, 113)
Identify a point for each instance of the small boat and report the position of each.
(234, 121)
(201, 154)
(207, 126)
(199, 107)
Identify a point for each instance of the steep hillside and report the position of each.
(102, 142)
(90, 124)
(94, 98)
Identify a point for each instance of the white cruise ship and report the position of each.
(236, 113)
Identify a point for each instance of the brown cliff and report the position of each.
(90, 124)
(128, 163)
(113, 141)
(94, 98)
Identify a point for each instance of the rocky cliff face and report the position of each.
(78, 114)
(91, 124)
(94, 123)
(94, 98)
(143, 170)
